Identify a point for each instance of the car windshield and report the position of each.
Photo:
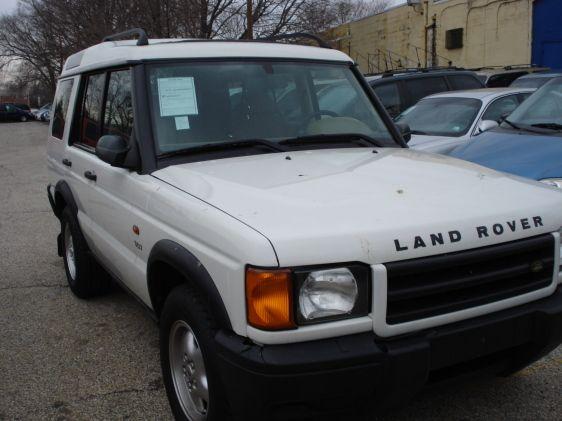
(200, 104)
(450, 117)
(543, 108)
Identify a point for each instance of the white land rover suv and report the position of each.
(258, 200)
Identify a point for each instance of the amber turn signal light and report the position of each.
(269, 299)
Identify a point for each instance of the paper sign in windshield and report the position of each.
(177, 96)
(182, 123)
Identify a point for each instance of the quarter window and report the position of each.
(60, 107)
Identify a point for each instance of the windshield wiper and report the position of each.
(550, 126)
(515, 126)
(213, 147)
(331, 138)
(418, 132)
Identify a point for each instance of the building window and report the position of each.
(454, 38)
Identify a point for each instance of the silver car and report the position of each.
(441, 122)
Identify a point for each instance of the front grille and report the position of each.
(431, 286)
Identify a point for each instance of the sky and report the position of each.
(7, 5)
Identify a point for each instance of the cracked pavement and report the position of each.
(62, 358)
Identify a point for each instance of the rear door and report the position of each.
(3, 112)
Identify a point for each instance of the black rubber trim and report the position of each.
(184, 262)
(63, 189)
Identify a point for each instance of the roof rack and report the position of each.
(390, 73)
(141, 33)
(304, 35)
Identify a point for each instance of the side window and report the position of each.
(3, 107)
(422, 87)
(501, 107)
(118, 115)
(390, 97)
(60, 107)
(91, 111)
(461, 82)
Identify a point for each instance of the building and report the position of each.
(463, 33)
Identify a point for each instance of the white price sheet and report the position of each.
(177, 96)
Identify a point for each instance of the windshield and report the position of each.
(450, 117)
(196, 104)
(543, 107)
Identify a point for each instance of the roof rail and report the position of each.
(390, 73)
(305, 35)
(141, 33)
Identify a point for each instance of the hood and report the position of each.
(517, 152)
(343, 205)
(435, 144)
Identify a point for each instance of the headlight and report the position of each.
(554, 182)
(327, 293)
(280, 299)
(332, 294)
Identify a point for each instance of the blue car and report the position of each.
(528, 143)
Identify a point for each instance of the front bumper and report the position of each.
(360, 373)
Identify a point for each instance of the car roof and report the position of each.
(116, 53)
(480, 93)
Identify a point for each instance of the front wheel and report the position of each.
(85, 278)
(186, 355)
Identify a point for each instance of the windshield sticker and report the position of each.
(182, 123)
(177, 96)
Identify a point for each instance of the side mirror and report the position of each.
(113, 150)
(486, 125)
(405, 131)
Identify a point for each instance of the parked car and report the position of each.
(503, 77)
(400, 90)
(441, 122)
(42, 113)
(535, 80)
(291, 258)
(21, 106)
(528, 143)
(9, 112)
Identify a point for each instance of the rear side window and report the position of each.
(91, 112)
(390, 97)
(60, 108)
(118, 116)
(422, 87)
(462, 82)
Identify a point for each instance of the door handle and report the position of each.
(90, 175)
(67, 162)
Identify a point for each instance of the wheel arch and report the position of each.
(170, 265)
(63, 197)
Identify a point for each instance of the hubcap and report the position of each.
(69, 252)
(188, 372)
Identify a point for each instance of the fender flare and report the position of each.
(62, 188)
(184, 262)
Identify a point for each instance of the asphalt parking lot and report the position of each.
(62, 358)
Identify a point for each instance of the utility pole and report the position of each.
(250, 20)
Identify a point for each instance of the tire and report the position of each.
(84, 275)
(23, 119)
(185, 321)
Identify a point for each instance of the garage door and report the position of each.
(547, 33)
